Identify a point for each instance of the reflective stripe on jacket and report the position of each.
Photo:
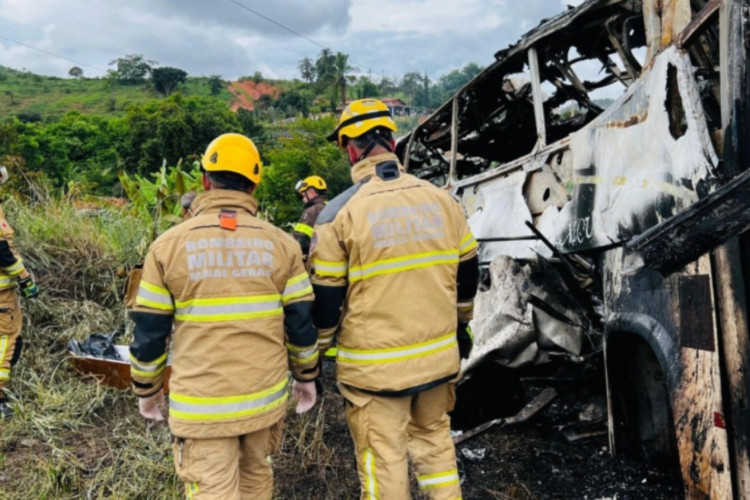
(303, 230)
(393, 243)
(240, 300)
(11, 265)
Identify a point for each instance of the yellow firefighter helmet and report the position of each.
(313, 181)
(233, 153)
(360, 117)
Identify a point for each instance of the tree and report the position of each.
(365, 88)
(252, 127)
(300, 151)
(295, 101)
(307, 70)
(324, 69)
(75, 147)
(341, 75)
(411, 84)
(453, 81)
(75, 72)
(215, 83)
(166, 79)
(423, 98)
(257, 77)
(171, 129)
(387, 86)
(131, 69)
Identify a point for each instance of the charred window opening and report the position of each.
(495, 125)
(675, 108)
(702, 43)
(587, 74)
(587, 56)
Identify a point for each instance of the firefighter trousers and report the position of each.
(386, 430)
(10, 339)
(231, 468)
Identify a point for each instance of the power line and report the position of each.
(52, 54)
(282, 26)
(290, 30)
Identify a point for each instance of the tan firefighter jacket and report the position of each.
(12, 269)
(303, 230)
(241, 300)
(387, 252)
(11, 264)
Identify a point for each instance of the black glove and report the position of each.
(28, 288)
(465, 339)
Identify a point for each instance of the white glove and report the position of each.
(153, 407)
(305, 394)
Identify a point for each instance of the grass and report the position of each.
(73, 438)
(28, 94)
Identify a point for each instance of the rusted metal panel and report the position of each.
(735, 115)
(652, 22)
(675, 16)
(733, 342)
(704, 454)
(703, 447)
(454, 139)
(650, 306)
(698, 23)
(538, 99)
(696, 321)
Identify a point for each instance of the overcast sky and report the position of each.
(207, 37)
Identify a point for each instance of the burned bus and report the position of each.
(603, 163)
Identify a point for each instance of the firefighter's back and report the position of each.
(402, 237)
(227, 271)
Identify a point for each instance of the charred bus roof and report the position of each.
(586, 56)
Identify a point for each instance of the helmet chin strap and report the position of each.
(377, 141)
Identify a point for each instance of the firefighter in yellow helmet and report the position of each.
(14, 278)
(240, 299)
(396, 255)
(313, 191)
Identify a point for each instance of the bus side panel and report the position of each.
(675, 316)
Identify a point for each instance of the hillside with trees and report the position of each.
(84, 135)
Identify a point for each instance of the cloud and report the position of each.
(220, 37)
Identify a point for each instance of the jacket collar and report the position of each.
(366, 167)
(216, 199)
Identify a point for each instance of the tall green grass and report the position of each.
(72, 438)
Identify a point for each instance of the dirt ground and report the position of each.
(58, 448)
(526, 461)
